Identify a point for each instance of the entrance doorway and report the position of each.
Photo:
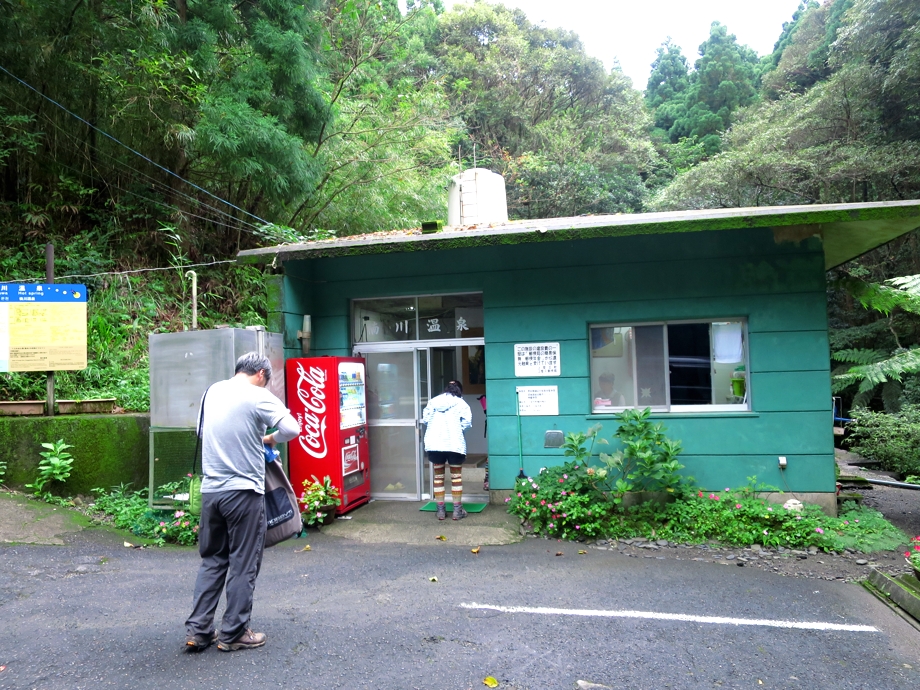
(401, 379)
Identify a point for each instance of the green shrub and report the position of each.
(129, 511)
(647, 461)
(892, 439)
(562, 501)
(740, 518)
(55, 466)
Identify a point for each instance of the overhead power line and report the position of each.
(121, 273)
(136, 153)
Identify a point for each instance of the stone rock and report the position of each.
(585, 685)
(662, 542)
(861, 561)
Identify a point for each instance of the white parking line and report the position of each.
(720, 620)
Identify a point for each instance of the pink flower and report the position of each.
(563, 493)
(577, 526)
(162, 524)
(519, 495)
(770, 509)
(819, 530)
(565, 476)
(185, 524)
(846, 522)
(179, 513)
(508, 500)
(533, 495)
(561, 480)
(700, 494)
(726, 488)
(765, 531)
(195, 528)
(737, 505)
(533, 510)
(542, 503)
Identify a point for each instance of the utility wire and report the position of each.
(153, 181)
(239, 223)
(136, 153)
(121, 273)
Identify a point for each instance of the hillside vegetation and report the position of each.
(140, 134)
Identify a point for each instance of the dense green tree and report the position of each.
(724, 79)
(667, 85)
(800, 58)
(222, 94)
(568, 136)
(384, 150)
(837, 140)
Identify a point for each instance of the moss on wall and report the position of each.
(108, 449)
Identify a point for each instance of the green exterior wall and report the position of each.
(108, 450)
(553, 291)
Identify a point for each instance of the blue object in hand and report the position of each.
(271, 454)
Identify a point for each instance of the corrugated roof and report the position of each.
(847, 230)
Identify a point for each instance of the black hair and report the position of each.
(252, 363)
(455, 388)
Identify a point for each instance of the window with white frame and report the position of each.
(677, 366)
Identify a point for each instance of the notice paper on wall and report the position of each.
(536, 359)
(538, 401)
(42, 327)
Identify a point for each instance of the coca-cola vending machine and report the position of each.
(326, 395)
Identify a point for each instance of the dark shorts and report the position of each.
(443, 457)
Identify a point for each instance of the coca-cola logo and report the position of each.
(311, 393)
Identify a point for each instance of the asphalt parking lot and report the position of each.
(372, 614)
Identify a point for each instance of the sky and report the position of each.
(629, 31)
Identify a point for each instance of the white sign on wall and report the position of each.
(536, 359)
(539, 401)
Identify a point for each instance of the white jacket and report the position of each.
(446, 417)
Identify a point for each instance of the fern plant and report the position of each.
(872, 368)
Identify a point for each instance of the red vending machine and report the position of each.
(326, 395)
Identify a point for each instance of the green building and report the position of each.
(715, 319)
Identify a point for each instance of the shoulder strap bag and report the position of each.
(282, 515)
(194, 482)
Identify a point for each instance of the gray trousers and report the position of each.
(231, 540)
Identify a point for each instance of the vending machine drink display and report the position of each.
(326, 395)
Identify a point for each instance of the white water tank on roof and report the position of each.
(475, 197)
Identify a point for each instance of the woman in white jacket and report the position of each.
(447, 416)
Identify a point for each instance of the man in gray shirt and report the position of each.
(235, 415)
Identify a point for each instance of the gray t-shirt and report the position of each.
(236, 416)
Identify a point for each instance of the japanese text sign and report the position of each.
(42, 327)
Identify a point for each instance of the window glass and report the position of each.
(689, 364)
(668, 366)
(383, 320)
(434, 317)
(612, 367)
(650, 371)
(450, 316)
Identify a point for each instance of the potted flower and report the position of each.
(913, 555)
(319, 500)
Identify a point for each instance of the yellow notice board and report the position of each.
(42, 327)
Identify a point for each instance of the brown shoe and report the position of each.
(200, 641)
(248, 640)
